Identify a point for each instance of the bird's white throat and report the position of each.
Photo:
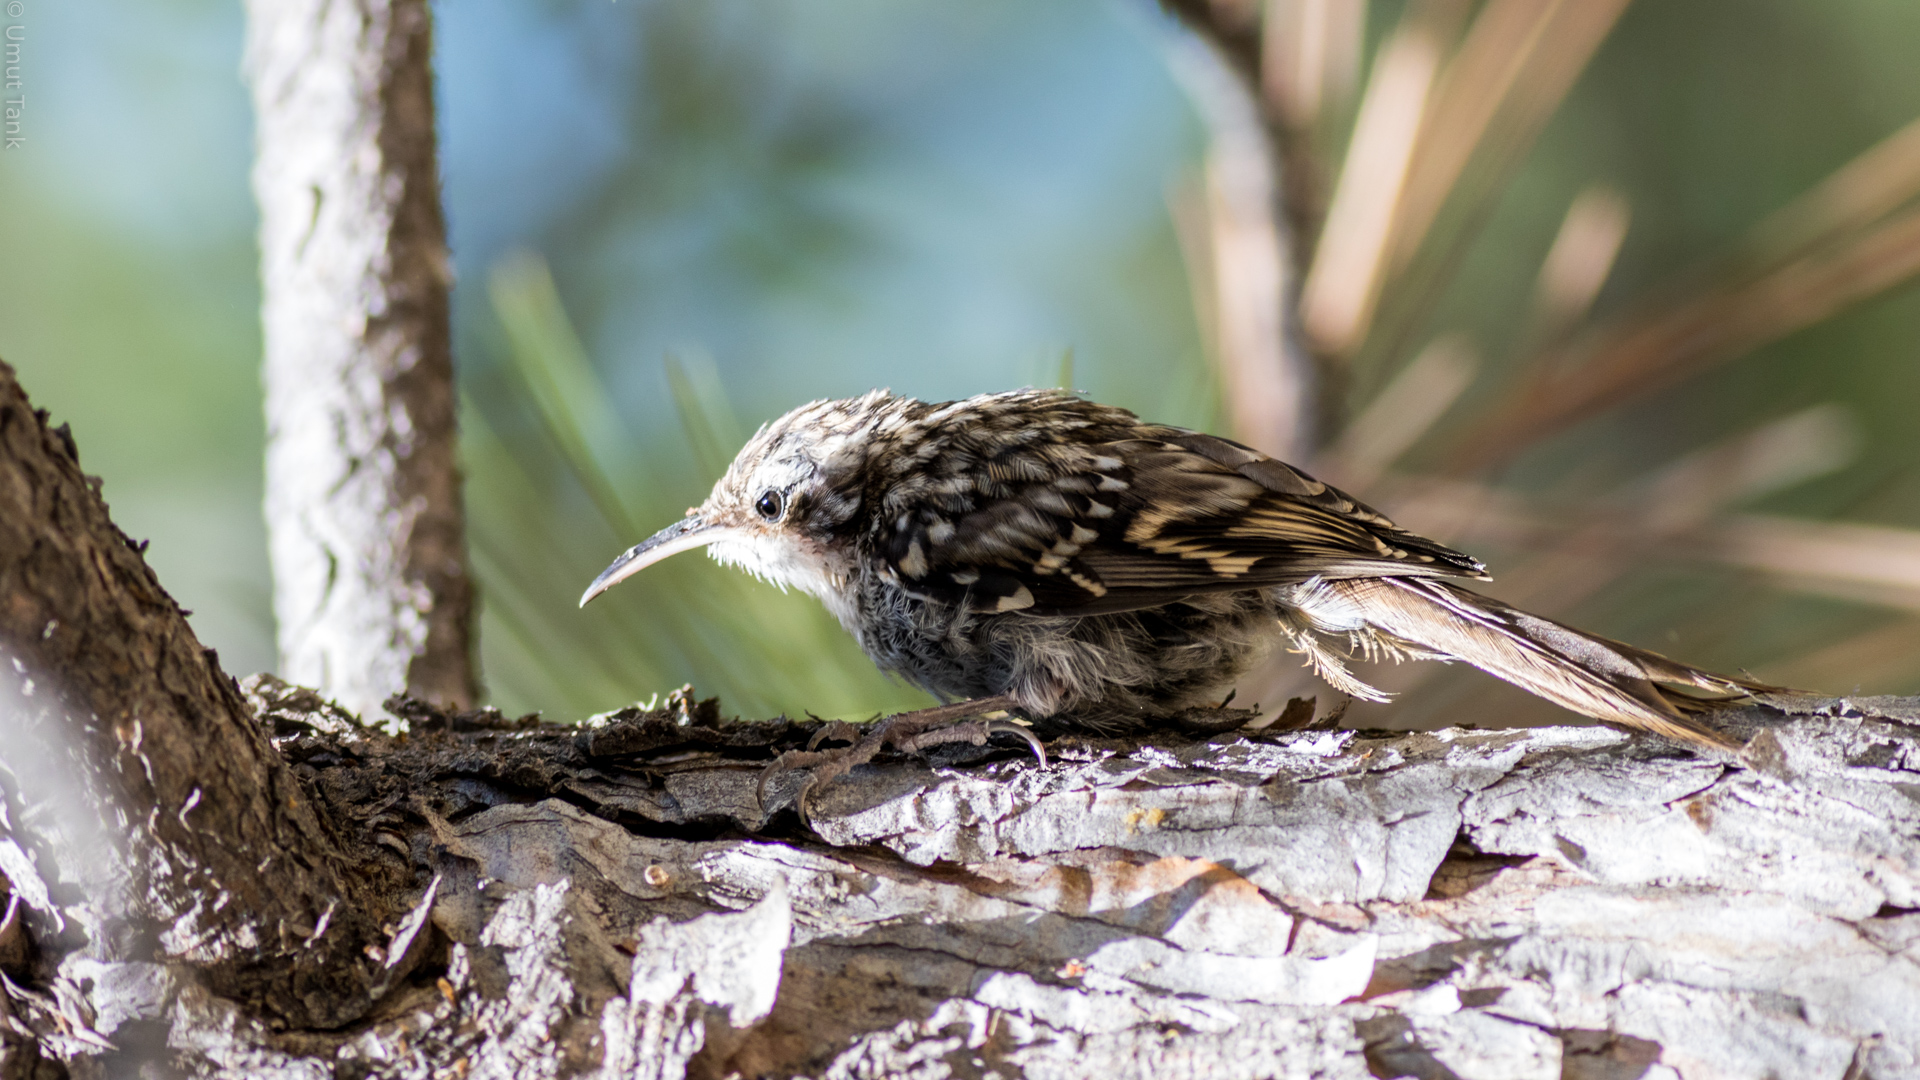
(791, 562)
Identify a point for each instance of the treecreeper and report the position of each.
(1035, 553)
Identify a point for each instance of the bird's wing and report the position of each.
(1088, 527)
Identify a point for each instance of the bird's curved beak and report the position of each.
(692, 531)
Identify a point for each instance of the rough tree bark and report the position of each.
(193, 882)
(202, 880)
(145, 813)
(364, 518)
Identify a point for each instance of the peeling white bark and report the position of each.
(1561, 902)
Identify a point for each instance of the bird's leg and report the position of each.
(909, 732)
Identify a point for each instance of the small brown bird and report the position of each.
(1039, 553)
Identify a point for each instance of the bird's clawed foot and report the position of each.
(908, 732)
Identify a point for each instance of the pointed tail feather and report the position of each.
(1591, 675)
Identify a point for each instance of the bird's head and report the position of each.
(782, 503)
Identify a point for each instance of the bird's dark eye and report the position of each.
(770, 504)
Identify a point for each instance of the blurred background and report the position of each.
(1651, 350)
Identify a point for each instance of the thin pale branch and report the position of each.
(1875, 564)
(1236, 32)
(1855, 196)
(1245, 287)
(366, 528)
(1309, 58)
(1580, 259)
(1343, 284)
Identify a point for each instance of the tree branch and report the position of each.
(1547, 902)
(178, 833)
(1263, 207)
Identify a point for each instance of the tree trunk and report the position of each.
(147, 817)
(364, 517)
(263, 887)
